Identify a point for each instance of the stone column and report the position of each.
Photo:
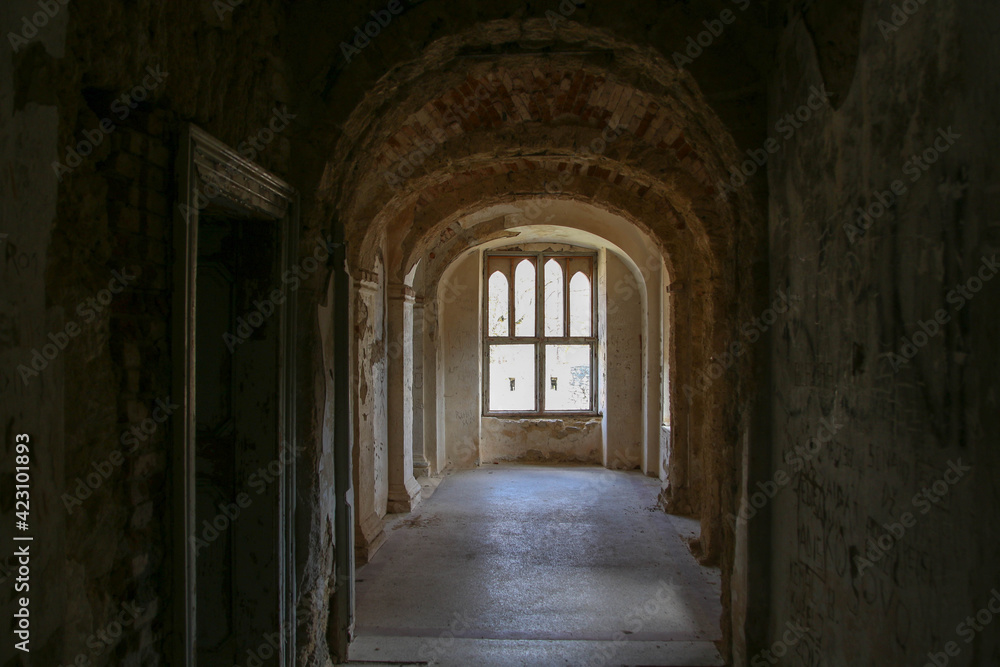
(404, 492)
(421, 468)
(367, 362)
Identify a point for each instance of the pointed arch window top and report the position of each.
(580, 305)
(498, 316)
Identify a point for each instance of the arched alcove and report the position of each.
(467, 435)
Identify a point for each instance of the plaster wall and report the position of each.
(576, 439)
(887, 409)
(625, 372)
(460, 362)
(371, 479)
(472, 439)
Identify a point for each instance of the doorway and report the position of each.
(234, 456)
(236, 440)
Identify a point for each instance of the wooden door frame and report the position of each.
(236, 181)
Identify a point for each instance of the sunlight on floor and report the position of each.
(546, 565)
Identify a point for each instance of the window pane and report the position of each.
(579, 305)
(524, 298)
(567, 377)
(553, 299)
(512, 377)
(497, 317)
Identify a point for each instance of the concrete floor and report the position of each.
(538, 565)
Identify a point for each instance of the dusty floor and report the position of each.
(538, 565)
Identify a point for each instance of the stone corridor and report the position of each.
(538, 565)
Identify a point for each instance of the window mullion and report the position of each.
(593, 297)
(539, 333)
(539, 384)
(485, 331)
(565, 276)
(593, 377)
(510, 297)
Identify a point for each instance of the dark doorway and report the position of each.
(234, 456)
(237, 439)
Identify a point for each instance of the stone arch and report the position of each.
(628, 245)
(672, 137)
(696, 317)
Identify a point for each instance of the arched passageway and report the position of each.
(457, 154)
(475, 549)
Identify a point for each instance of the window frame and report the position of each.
(540, 340)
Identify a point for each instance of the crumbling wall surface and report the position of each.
(883, 220)
(91, 101)
(369, 419)
(572, 439)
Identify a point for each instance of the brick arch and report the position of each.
(624, 135)
(610, 81)
(625, 163)
(504, 97)
(646, 208)
(360, 100)
(666, 212)
(448, 238)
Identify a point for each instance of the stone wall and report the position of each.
(95, 304)
(33, 404)
(91, 106)
(882, 211)
(569, 439)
